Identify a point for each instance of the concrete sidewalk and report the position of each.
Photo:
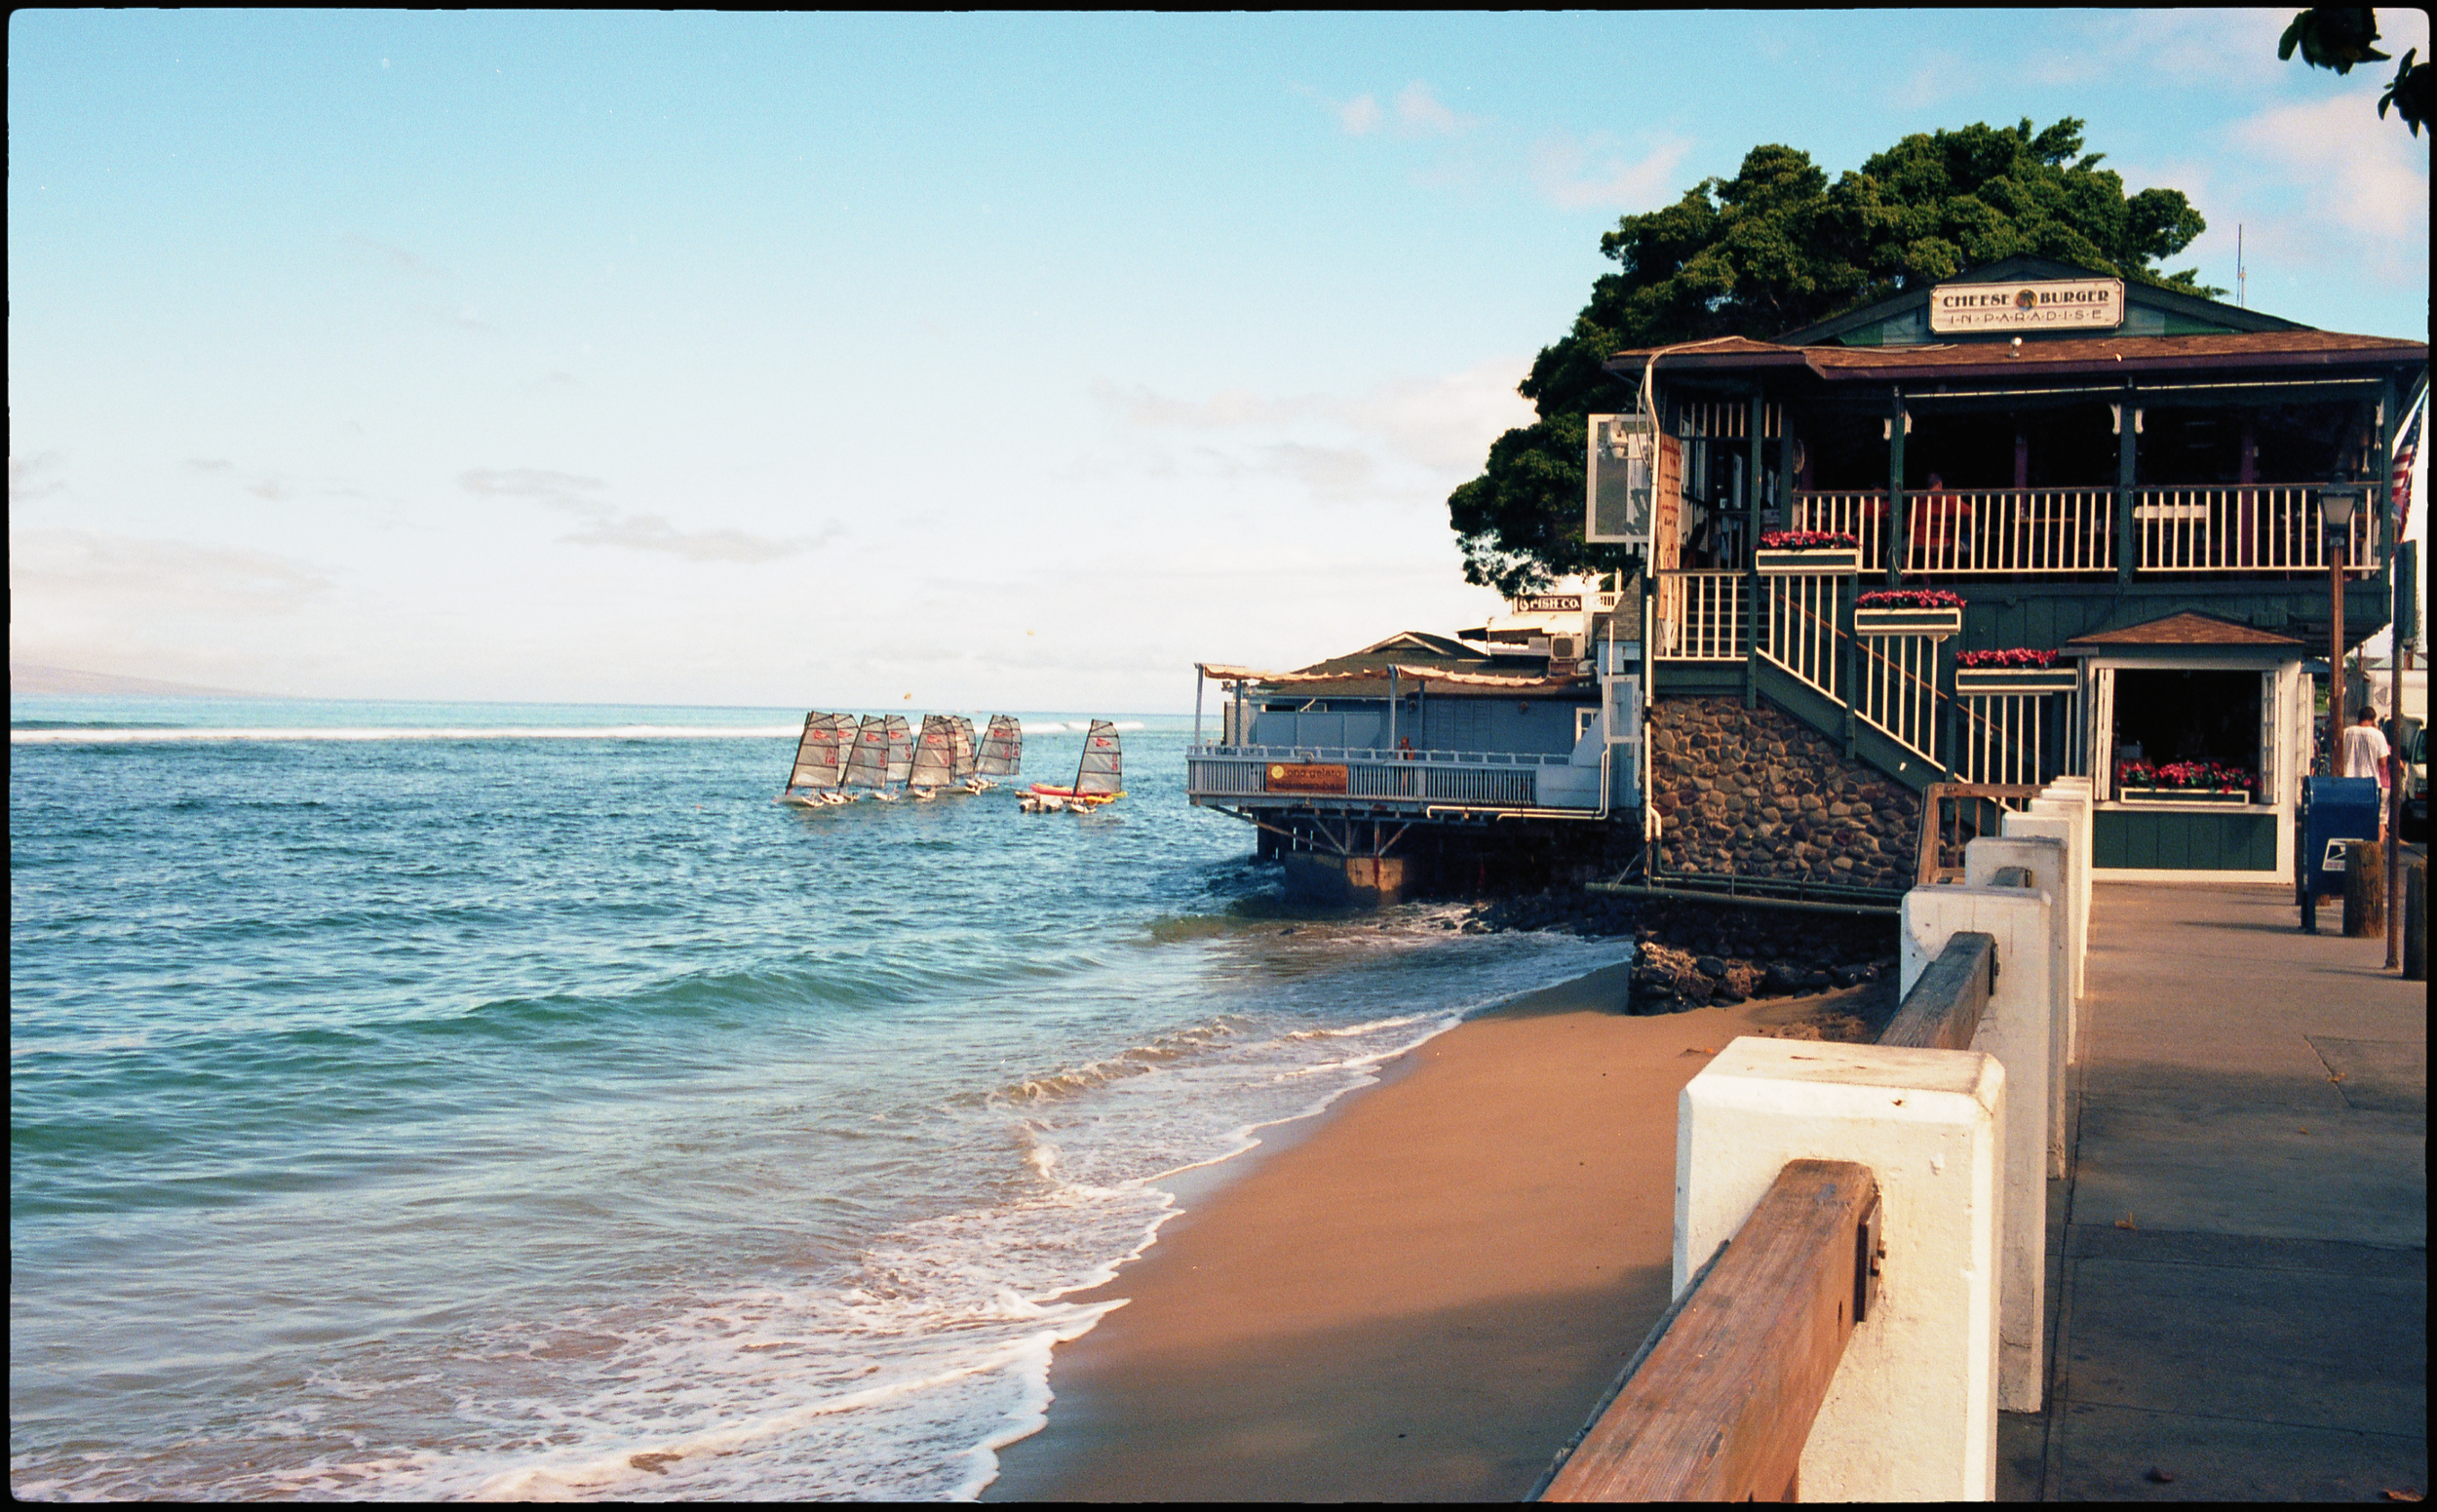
(2238, 1263)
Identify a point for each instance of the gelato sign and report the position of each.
(2059, 304)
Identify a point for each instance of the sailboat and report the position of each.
(933, 764)
(866, 760)
(960, 772)
(820, 764)
(900, 751)
(1002, 750)
(1099, 777)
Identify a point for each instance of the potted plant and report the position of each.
(2017, 670)
(1812, 552)
(1908, 611)
(2185, 782)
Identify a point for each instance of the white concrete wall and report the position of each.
(2057, 830)
(2020, 1028)
(1911, 1414)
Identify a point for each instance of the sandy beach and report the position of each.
(1418, 1297)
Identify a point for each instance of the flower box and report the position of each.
(1813, 562)
(1942, 620)
(1991, 681)
(2184, 796)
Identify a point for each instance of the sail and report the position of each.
(867, 764)
(821, 755)
(901, 749)
(935, 754)
(960, 729)
(1102, 771)
(1002, 748)
(809, 769)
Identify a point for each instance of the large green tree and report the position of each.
(1778, 246)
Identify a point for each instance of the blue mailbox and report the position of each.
(2334, 810)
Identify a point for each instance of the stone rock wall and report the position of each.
(1757, 793)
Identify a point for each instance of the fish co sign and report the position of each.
(2064, 304)
(1305, 777)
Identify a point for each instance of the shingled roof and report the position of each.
(2052, 358)
(2185, 629)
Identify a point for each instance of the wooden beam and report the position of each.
(1943, 1010)
(1719, 1409)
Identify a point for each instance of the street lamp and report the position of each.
(2334, 506)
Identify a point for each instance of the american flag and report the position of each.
(2407, 448)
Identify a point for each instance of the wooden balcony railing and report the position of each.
(1965, 532)
(1953, 814)
(2262, 529)
(1702, 616)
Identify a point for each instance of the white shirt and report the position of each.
(2363, 753)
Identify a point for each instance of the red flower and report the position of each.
(2013, 656)
(1909, 598)
(1807, 540)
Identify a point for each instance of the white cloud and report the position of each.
(1574, 173)
(1419, 113)
(1359, 116)
(397, 256)
(2361, 173)
(35, 478)
(100, 601)
(602, 524)
(1404, 440)
(2219, 49)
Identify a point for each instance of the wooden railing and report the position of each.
(1719, 1400)
(1953, 814)
(2239, 529)
(1718, 1405)
(1965, 532)
(1702, 616)
(1899, 692)
(1944, 1009)
(1801, 628)
(2003, 738)
(1861, 516)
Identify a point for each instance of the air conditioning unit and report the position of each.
(1564, 648)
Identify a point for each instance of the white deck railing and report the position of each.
(1963, 532)
(2237, 529)
(1899, 693)
(1463, 778)
(1702, 616)
(1801, 631)
(2004, 737)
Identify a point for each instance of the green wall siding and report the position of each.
(2243, 840)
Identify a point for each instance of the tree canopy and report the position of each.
(1778, 246)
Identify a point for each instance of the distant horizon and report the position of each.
(154, 689)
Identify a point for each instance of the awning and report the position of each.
(1224, 672)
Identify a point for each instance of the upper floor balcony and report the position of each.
(2245, 529)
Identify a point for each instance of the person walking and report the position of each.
(2365, 754)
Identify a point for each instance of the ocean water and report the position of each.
(465, 1101)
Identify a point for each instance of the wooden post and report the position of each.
(1719, 1407)
(1899, 538)
(2127, 455)
(2365, 889)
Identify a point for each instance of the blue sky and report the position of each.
(1001, 361)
